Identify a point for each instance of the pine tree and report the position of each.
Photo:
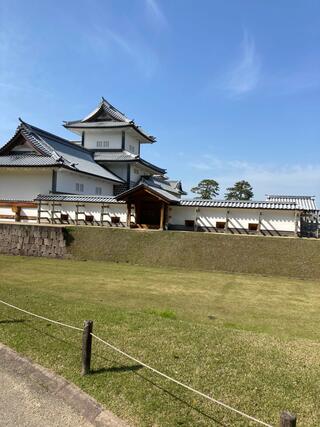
(241, 190)
(207, 189)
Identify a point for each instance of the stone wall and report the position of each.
(32, 240)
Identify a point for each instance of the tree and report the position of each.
(207, 189)
(241, 190)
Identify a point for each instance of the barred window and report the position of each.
(79, 187)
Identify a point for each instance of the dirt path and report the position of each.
(33, 396)
(25, 403)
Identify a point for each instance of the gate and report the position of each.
(309, 225)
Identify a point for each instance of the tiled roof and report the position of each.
(248, 204)
(169, 197)
(60, 151)
(77, 198)
(306, 203)
(106, 108)
(17, 160)
(114, 156)
(125, 156)
(106, 115)
(165, 184)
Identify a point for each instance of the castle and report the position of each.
(101, 179)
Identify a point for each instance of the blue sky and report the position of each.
(231, 88)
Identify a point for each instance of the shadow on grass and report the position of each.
(7, 321)
(70, 343)
(120, 369)
(163, 389)
(116, 369)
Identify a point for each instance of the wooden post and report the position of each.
(162, 217)
(53, 208)
(101, 215)
(77, 214)
(296, 216)
(86, 346)
(39, 212)
(259, 223)
(128, 214)
(288, 420)
(17, 213)
(227, 221)
(195, 224)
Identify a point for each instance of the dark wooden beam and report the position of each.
(128, 214)
(123, 140)
(162, 216)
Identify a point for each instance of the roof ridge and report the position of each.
(104, 100)
(289, 196)
(60, 138)
(239, 201)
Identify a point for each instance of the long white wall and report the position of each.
(272, 221)
(24, 183)
(94, 209)
(279, 220)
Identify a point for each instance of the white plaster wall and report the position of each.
(66, 183)
(94, 209)
(24, 183)
(31, 213)
(7, 211)
(92, 136)
(142, 171)
(134, 142)
(178, 214)
(208, 217)
(241, 218)
(279, 220)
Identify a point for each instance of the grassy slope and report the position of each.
(259, 351)
(290, 257)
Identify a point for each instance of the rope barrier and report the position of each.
(41, 317)
(182, 384)
(218, 402)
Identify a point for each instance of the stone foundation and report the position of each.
(32, 240)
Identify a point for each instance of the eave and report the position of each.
(126, 195)
(82, 126)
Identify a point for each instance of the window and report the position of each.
(79, 187)
(103, 144)
(89, 218)
(64, 217)
(131, 148)
(253, 227)
(189, 223)
(220, 224)
(115, 220)
(98, 191)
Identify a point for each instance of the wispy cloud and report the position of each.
(109, 43)
(244, 75)
(154, 11)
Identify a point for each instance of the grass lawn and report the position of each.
(250, 341)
